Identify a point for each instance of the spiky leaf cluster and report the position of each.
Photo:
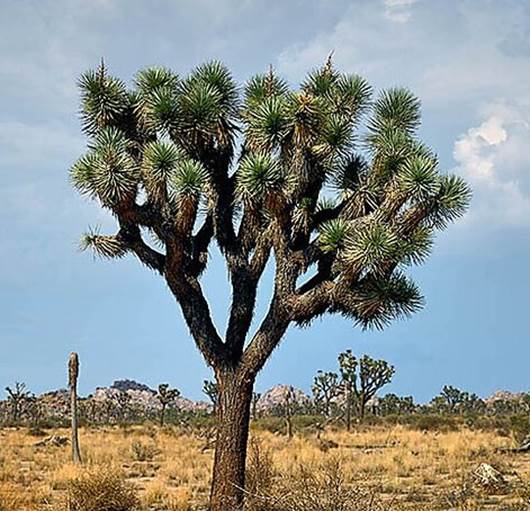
(332, 183)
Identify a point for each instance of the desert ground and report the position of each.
(168, 469)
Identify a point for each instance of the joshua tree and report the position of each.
(121, 401)
(183, 163)
(287, 407)
(453, 398)
(255, 400)
(325, 390)
(73, 374)
(166, 396)
(348, 375)
(211, 389)
(372, 376)
(17, 397)
(391, 404)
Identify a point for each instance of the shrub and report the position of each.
(325, 489)
(143, 452)
(310, 488)
(13, 498)
(259, 477)
(101, 491)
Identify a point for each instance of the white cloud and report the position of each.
(398, 10)
(495, 159)
(450, 53)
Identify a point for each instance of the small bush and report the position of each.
(13, 498)
(36, 431)
(325, 489)
(310, 488)
(259, 479)
(143, 452)
(101, 491)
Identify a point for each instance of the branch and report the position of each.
(266, 339)
(200, 244)
(190, 297)
(131, 237)
(245, 277)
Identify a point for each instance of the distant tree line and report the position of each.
(345, 396)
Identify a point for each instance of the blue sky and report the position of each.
(469, 62)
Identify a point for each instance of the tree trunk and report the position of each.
(233, 417)
(73, 372)
(348, 409)
(362, 407)
(289, 422)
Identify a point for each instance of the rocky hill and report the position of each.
(276, 396)
(504, 395)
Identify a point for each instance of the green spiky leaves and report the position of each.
(215, 75)
(451, 202)
(154, 78)
(158, 110)
(384, 300)
(333, 235)
(259, 176)
(352, 94)
(107, 171)
(267, 124)
(188, 180)
(336, 138)
(415, 247)
(348, 95)
(159, 162)
(418, 177)
(381, 300)
(396, 107)
(370, 246)
(207, 103)
(104, 100)
(263, 86)
(107, 247)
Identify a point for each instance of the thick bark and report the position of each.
(233, 417)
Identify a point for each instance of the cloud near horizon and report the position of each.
(495, 158)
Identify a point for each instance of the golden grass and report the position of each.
(418, 468)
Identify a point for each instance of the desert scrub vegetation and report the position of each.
(101, 490)
(372, 467)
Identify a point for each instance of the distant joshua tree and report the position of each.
(452, 397)
(198, 160)
(121, 400)
(371, 377)
(255, 400)
(17, 397)
(289, 408)
(453, 400)
(360, 380)
(391, 404)
(325, 390)
(166, 396)
(211, 389)
(348, 376)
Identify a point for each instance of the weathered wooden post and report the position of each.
(73, 373)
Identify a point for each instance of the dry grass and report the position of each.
(101, 490)
(170, 471)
